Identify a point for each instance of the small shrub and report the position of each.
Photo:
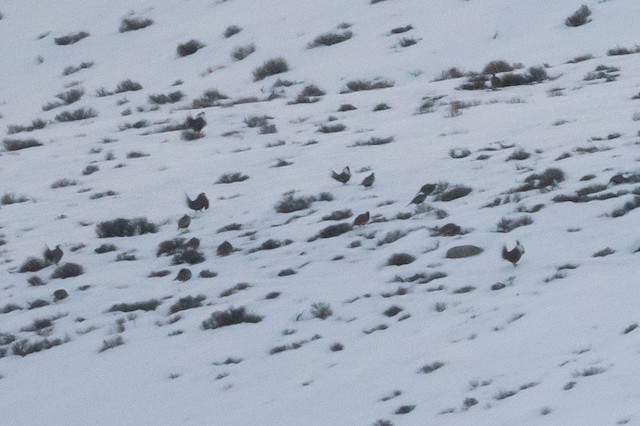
(604, 252)
(25, 347)
(399, 259)
(32, 264)
(329, 39)
(128, 86)
(209, 98)
(170, 98)
(185, 303)
(332, 128)
(63, 183)
(231, 31)
(508, 225)
(334, 230)
(579, 17)
(18, 144)
(67, 270)
(125, 227)
(134, 24)
(373, 141)
(241, 52)
(148, 305)
(111, 343)
(189, 48)
(338, 215)
(71, 38)
(361, 85)
(430, 368)
(231, 178)
(229, 317)
(269, 68)
(79, 114)
(321, 310)
(38, 303)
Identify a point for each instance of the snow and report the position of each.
(562, 315)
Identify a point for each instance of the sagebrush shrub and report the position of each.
(147, 305)
(579, 17)
(189, 48)
(134, 24)
(269, 68)
(125, 227)
(67, 270)
(71, 38)
(18, 144)
(229, 317)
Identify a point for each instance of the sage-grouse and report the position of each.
(53, 256)
(368, 181)
(342, 177)
(184, 222)
(361, 219)
(514, 255)
(201, 202)
(195, 124)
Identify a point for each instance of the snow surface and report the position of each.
(558, 338)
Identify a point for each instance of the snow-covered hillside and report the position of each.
(290, 314)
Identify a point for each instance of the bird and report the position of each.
(184, 222)
(361, 219)
(342, 177)
(418, 199)
(53, 256)
(427, 188)
(201, 202)
(193, 243)
(368, 181)
(184, 274)
(195, 124)
(514, 255)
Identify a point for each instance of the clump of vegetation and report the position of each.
(229, 317)
(399, 259)
(209, 98)
(231, 178)
(71, 38)
(241, 52)
(79, 114)
(508, 225)
(147, 305)
(269, 68)
(189, 48)
(67, 270)
(134, 24)
(125, 227)
(329, 39)
(18, 144)
(231, 31)
(170, 98)
(361, 85)
(579, 17)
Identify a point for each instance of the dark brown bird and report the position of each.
(427, 188)
(514, 255)
(53, 256)
(184, 222)
(224, 249)
(368, 181)
(195, 124)
(184, 274)
(361, 219)
(342, 177)
(201, 202)
(193, 243)
(418, 199)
